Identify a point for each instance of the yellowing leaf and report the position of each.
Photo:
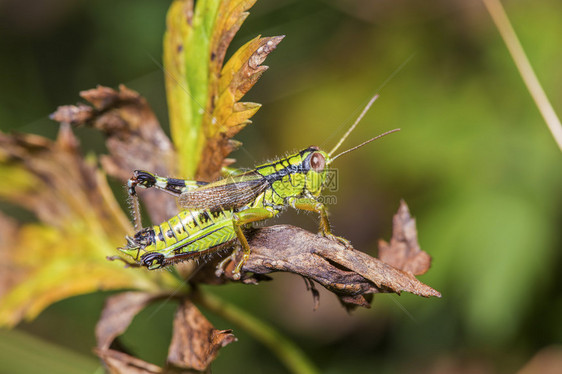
(81, 224)
(202, 95)
(76, 266)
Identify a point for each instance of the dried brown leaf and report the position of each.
(117, 314)
(52, 179)
(244, 68)
(404, 252)
(352, 275)
(73, 114)
(135, 139)
(195, 342)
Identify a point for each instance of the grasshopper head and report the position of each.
(314, 166)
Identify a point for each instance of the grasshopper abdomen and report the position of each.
(185, 236)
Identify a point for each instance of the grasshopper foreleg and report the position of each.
(312, 205)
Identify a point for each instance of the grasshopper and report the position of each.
(215, 213)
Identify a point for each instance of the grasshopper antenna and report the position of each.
(364, 143)
(367, 107)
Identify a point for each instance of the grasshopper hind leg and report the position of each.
(145, 179)
(135, 211)
(142, 179)
(240, 219)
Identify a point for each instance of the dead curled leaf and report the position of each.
(403, 252)
(195, 342)
(118, 312)
(134, 139)
(51, 178)
(350, 274)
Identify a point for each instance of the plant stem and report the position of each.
(287, 352)
(508, 35)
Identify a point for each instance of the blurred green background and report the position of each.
(474, 161)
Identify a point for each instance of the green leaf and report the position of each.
(186, 46)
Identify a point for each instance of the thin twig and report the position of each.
(508, 35)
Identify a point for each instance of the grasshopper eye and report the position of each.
(317, 162)
(153, 260)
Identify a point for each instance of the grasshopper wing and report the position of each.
(229, 193)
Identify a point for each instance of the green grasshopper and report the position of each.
(215, 213)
